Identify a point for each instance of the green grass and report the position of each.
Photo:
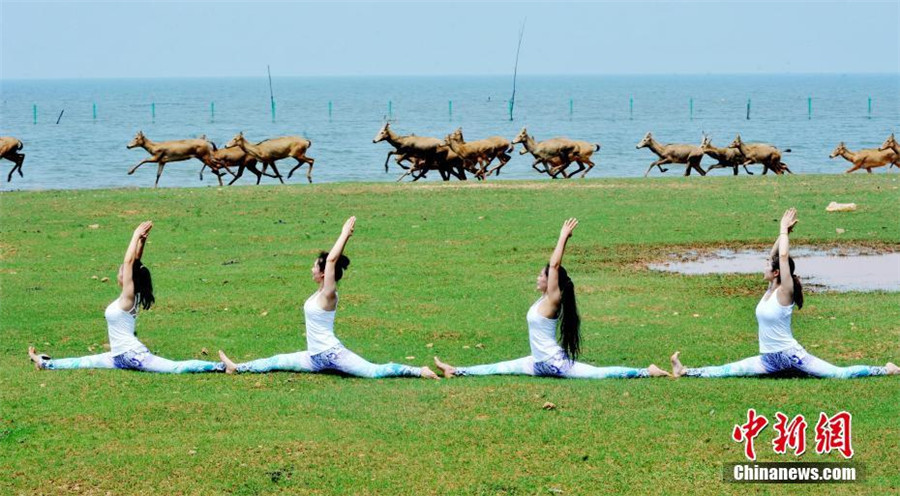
(448, 265)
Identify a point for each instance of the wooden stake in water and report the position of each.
(450, 109)
(60, 115)
(692, 109)
(34, 112)
(153, 111)
(212, 111)
(271, 93)
(390, 109)
(571, 107)
(631, 108)
(870, 107)
(809, 107)
(512, 99)
(95, 111)
(329, 110)
(748, 109)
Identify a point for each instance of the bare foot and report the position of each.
(678, 369)
(37, 359)
(657, 372)
(230, 367)
(429, 374)
(892, 369)
(447, 369)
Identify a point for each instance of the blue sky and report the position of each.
(77, 39)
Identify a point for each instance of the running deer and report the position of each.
(236, 157)
(555, 152)
(163, 152)
(272, 150)
(9, 149)
(891, 143)
(423, 152)
(582, 155)
(727, 157)
(867, 158)
(481, 152)
(674, 153)
(759, 153)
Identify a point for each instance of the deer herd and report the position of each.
(454, 156)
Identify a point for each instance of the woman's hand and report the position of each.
(348, 227)
(143, 230)
(788, 220)
(568, 227)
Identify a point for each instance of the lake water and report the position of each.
(616, 111)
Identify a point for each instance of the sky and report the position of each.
(128, 39)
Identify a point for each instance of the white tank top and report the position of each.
(541, 334)
(774, 324)
(319, 326)
(120, 325)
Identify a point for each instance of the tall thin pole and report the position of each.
(512, 100)
(271, 93)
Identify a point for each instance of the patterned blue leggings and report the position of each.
(141, 360)
(792, 358)
(558, 366)
(337, 358)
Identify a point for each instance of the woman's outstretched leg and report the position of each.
(346, 361)
(101, 361)
(820, 368)
(584, 371)
(149, 362)
(292, 362)
(521, 366)
(746, 367)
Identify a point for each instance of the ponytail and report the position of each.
(569, 320)
(143, 285)
(798, 288)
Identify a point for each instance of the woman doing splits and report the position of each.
(555, 306)
(778, 349)
(324, 350)
(126, 352)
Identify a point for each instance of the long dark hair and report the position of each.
(342, 263)
(569, 320)
(798, 288)
(143, 285)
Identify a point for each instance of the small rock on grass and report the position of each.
(105, 279)
(94, 226)
(549, 406)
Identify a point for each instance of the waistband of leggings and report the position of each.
(134, 351)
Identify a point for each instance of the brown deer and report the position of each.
(9, 149)
(447, 164)
(423, 152)
(727, 157)
(236, 157)
(891, 143)
(272, 150)
(582, 155)
(759, 153)
(483, 151)
(673, 154)
(163, 152)
(867, 158)
(555, 152)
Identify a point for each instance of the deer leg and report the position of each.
(240, 173)
(581, 167)
(142, 162)
(159, 170)
(539, 161)
(589, 167)
(386, 159)
(784, 167)
(749, 172)
(656, 163)
(277, 174)
(18, 167)
(310, 161)
(504, 158)
(219, 177)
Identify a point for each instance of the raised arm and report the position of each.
(134, 252)
(554, 295)
(782, 246)
(328, 296)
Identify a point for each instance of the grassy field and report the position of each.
(436, 269)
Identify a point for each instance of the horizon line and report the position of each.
(313, 76)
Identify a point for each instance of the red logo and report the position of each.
(747, 432)
(790, 435)
(833, 433)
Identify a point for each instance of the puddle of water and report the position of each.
(832, 269)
